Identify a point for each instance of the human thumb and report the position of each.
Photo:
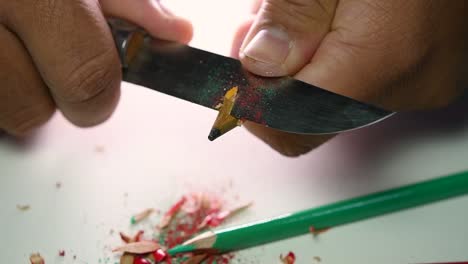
(285, 35)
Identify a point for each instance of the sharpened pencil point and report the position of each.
(214, 134)
(224, 121)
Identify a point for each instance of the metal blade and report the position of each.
(285, 104)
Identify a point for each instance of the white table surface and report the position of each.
(155, 148)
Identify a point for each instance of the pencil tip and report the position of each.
(214, 134)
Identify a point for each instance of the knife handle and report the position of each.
(128, 39)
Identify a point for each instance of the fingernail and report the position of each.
(268, 50)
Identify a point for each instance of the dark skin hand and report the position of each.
(61, 55)
(400, 55)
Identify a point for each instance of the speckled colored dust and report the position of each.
(187, 223)
(257, 97)
(256, 93)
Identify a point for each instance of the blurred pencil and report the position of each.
(325, 217)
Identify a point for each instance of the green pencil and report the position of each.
(324, 217)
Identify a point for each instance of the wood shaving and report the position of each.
(36, 258)
(99, 149)
(23, 207)
(125, 238)
(179, 223)
(127, 259)
(217, 218)
(317, 232)
(141, 216)
(128, 239)
(196, 259)
(290, 258)
(142, 247)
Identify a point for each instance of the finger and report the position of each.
(287, 144)
(26, 103)
(384, 61)
(285, 35)
(151, 15)
(256, 4)
(73, 49)
(239, 37)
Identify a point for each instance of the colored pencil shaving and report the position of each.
(140, 260)
(127, 258)
(36, 258)
(171, 213)
(290, 258)
(190, 215)
(196, 259)
(141, 216)
(140, 247)
(135, 238)
(317, 232)
(215, 219)
(23, 207)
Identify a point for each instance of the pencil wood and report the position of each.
(328, 216)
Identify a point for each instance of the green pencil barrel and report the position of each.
(341, 213)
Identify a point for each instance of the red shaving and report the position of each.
(185, 219)
(212, 220)
(288, 259)
(159, 255)
(171, 213)
(217, 218)
(62, 253)
(139, 260)
(138, 236)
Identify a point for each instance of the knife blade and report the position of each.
(203, 78)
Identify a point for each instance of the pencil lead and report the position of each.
(214, 134)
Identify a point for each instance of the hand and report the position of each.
(400, 55)
(61, 54)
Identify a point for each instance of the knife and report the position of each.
(221, 83)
